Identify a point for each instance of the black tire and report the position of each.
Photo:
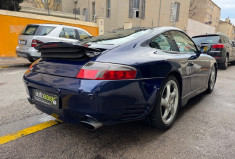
(224, 65)
(212, 80)
(31, 60)
(233, 63)
(155, 118)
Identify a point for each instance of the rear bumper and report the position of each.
(107, 101)
(29, 53)
(218, 55)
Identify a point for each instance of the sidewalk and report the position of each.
(6, 62)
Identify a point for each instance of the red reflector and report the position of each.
(118, 75)
(49, 45)
(218, 46)
(36, 43)
(86, 45)
(106, 75)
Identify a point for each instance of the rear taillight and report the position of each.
(106, 71)
(36, 43)
(218, 46)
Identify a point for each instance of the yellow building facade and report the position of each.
(227, 28)
(205, 11)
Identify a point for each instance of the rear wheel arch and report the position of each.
(227, 54)
(178, 76)
(155, 117)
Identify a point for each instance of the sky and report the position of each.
(227, 9)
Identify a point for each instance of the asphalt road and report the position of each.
(205, 128)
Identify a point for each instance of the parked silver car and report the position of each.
(35, 34)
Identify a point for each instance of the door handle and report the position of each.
(191, 64)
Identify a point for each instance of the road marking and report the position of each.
(24, 123)
(27, 131)
(4, 66)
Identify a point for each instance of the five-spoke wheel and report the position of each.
(167, 104)
(212, 80)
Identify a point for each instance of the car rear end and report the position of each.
(215, 42)
(73, 87)
(30, 38)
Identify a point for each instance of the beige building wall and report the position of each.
(54, 5)
(119, 13)
(68, 6)
(205, 11)
(227, 28)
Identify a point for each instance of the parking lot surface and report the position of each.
(205, 128)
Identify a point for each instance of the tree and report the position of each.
(12, 5)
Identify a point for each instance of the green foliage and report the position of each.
(12, 5)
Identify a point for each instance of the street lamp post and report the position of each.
(159, 14)
(48, 7)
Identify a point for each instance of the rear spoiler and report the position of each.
(66, 50)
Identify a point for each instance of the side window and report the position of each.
(184, 43)
(163, 42)
(44, 30)
(83, 34)
(68, 33)
(223, 39)
(233, 43)
(229, 41)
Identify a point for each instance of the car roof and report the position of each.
(204, 35)
(57, 25)
(121, 33)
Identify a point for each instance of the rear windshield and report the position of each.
(117, 37)
(37, 30)
(207, 39)
(30, 30)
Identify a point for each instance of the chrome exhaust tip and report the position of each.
(91, 123)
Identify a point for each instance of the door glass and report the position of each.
(44, 30)
(82, 34)
(162, 42)
(183, 42)
(68, 33)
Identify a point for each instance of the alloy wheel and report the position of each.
(169, 102)
(226, 61)
(212, 78)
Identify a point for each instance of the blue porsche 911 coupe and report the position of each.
(121, 76)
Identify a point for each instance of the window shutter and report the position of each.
(172, 11)
(143, 9)
(177, 12)
(131, 5)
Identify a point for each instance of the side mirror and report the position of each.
(205, 49)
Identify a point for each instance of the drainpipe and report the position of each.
(159, 14)
(88, 11)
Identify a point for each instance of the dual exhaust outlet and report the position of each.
(91, 123)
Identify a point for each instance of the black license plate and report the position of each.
(46, 98)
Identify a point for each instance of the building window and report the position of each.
(135, 8)
(108, 9)
(84, 12)
(175, 11)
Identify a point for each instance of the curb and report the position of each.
(18, 65)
